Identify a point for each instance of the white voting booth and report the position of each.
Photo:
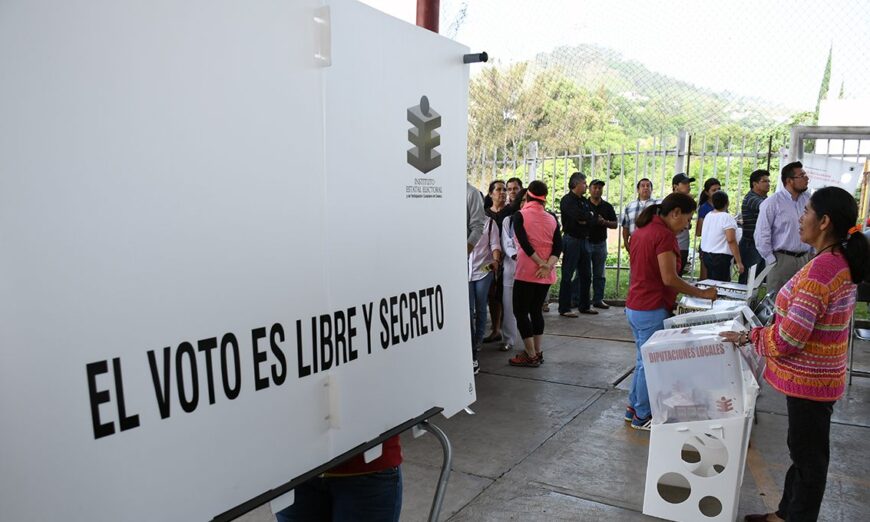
(232, 248)
(702, 393)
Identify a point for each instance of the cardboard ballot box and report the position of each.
(747, 320)
(692, 374)
(702, 393)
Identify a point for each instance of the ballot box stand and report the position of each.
(695, 469)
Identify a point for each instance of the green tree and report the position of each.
(823, 88)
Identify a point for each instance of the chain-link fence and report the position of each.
(731, 161)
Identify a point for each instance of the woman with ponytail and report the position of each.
(655, 282)
(806, 346)
(537, 233)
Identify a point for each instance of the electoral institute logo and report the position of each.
(423, 155)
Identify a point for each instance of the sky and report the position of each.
(766, 49)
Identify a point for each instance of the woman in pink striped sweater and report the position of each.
(806, 345)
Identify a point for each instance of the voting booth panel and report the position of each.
(220, 270)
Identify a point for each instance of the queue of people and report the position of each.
(514, 243)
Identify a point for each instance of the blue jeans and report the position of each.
(598, 254)
(478, 294)
(643, 324)
(375, 497)
(750, 256)
(575, 259)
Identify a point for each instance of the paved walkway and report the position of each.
(549, 443)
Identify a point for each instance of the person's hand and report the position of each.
(740, 268)
(735, 338)
(601, 220)
(543, 271)
(709, 293)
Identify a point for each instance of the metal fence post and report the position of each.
(680, 163)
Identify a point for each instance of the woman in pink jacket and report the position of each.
(537, 233)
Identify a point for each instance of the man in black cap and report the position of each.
(682, 184)
(604, 217)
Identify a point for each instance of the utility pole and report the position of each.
(428, 12)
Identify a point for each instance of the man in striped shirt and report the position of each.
(633, 209)
(759, 183)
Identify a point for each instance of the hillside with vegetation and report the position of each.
(587, 97)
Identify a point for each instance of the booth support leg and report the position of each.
(435, 512)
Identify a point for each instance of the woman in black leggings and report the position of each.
(537, 233)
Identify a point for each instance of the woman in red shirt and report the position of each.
(655, 283)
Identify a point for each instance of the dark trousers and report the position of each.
(575, 259)
(809, 429)
(684, 261)
(718, 266)
(750, 256)
(528, 307)
(375, 497)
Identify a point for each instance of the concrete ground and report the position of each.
(549, 443)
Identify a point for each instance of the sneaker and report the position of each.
(476, 366)
(629, 414)
(641, 424)
(601, 305)
(506, 347)
(589, 311)
(523, 359)
(541, 357)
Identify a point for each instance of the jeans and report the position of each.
(718, 266)
(509, 322)
(375, 497)
(809, 445)
(598, 254)
(478, 293)
(643, 324)
(750, 256)
(575, 258)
